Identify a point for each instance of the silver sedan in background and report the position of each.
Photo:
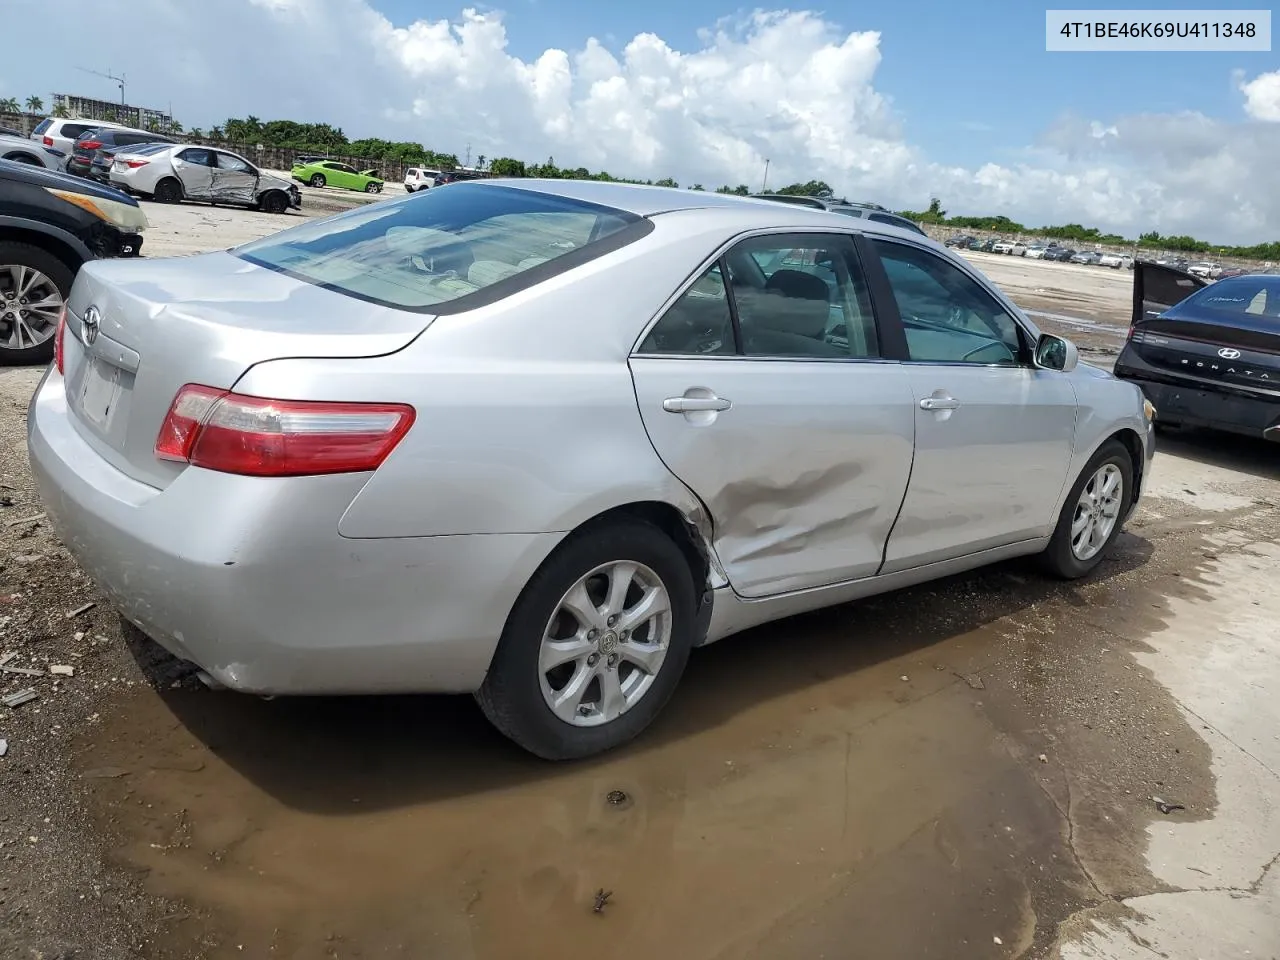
(171, 173)
(536, 440)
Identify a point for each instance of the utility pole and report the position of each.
(764, 182)
(468, 163)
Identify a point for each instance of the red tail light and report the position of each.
(48, 141)
(258, 437)
(59, 357)
(135, 164)
(89, 144)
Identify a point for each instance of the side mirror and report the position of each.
(1056, 353)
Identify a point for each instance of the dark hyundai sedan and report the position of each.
(1206, 355)
(93, 152)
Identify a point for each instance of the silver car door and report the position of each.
(194, 167)
(234, 179)
(994, 434)
(767, 398)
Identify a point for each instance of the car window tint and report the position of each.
(1257, 296)
(43, 125)
(893, 221)
(201, 157)
(233, 164)
(698, 324)
(947, 316)
(439, 246)
(1166, 286)
(73, 131)
(801, 295)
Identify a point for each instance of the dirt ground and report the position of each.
(964, 769)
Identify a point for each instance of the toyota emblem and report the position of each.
(89, 325)
(1229, 353)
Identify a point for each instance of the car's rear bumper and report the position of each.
(249, 578)
(1194, 403)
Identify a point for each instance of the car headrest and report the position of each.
(797, 284)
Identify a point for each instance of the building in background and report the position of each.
(142, 118)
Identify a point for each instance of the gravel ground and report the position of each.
(985, 746)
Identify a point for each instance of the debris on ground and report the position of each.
(1165, 806)
(973, 680)
(33, 519)
(997, 941)
(14, 700)
(62, 670)
(23, 671)
(83, 608)
(602, 898)
(1044, 758)
(4, 747)
(8, 657)
(904, 678)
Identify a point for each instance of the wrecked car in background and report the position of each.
(173, 173)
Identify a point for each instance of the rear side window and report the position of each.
(43, 125)
(73, 131)
(450, 250)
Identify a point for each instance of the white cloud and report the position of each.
(1262, 96)
(787, 86)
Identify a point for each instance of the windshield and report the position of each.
(1252, 296)
(435, 247)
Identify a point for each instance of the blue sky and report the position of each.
(948, 66)
(890, 101)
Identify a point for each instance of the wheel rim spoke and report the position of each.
(579, 604)
(569, 698)
(555, 653)
(652, 604)
(620, 579)
(647, 656)
(612, 700)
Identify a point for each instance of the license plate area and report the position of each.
(99, 393)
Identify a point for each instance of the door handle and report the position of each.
(695, 404)
(939, 403)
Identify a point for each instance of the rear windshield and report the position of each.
(1253, 296)
(144, 148)
(440, 246)
(43, 125)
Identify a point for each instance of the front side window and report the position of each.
(233, 164)
(431, 249)
(201, 158)
(947, 316)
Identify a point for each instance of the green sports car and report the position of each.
(331, 173)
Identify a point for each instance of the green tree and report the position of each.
(697, 186)
(34, 104)
(507, 167)
(812, 188)
(480, 162)
(10, 105)
(60, 112)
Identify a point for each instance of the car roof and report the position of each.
(92, 124)
(646, 201)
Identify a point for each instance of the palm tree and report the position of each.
(10, 105)
(197, 133)
(35, 105)
(480, 162)
(215, 133)
(60, 111)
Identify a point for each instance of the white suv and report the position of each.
(61, 134)
(419, 178)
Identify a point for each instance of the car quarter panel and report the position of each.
(1106, 407)
(526, 414)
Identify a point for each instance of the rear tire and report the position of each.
(516, 692)
(317, 180)
(1079, 541)
(168, 190)
(55, 273)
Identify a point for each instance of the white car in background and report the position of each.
(171, 173)
(1036, 253)
(1002, 246)
(1115, 260)
(1018, 249)
(419, 178)
(22, 150)
(61, 133)
(1210, 271)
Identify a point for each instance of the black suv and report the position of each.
(95, 149)
(868, 211)
(50, 224)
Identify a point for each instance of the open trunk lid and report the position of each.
(1229, 338)
(205, 319)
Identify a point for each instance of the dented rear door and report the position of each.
(802, 467)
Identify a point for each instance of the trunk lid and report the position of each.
(203, 319)
(1233, 347)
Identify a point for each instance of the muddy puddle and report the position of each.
(911, 776)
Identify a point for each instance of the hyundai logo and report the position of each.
(89, 325)
(1229, 353)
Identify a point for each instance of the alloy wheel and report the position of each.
(29, 306)
(1097, 512)
(605, 643)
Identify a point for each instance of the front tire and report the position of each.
(34, 285)
(596, 643)
(1092, 515)
(275, 202)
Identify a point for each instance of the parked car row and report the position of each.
(1042, 251)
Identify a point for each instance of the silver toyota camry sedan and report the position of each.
(537, 440)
